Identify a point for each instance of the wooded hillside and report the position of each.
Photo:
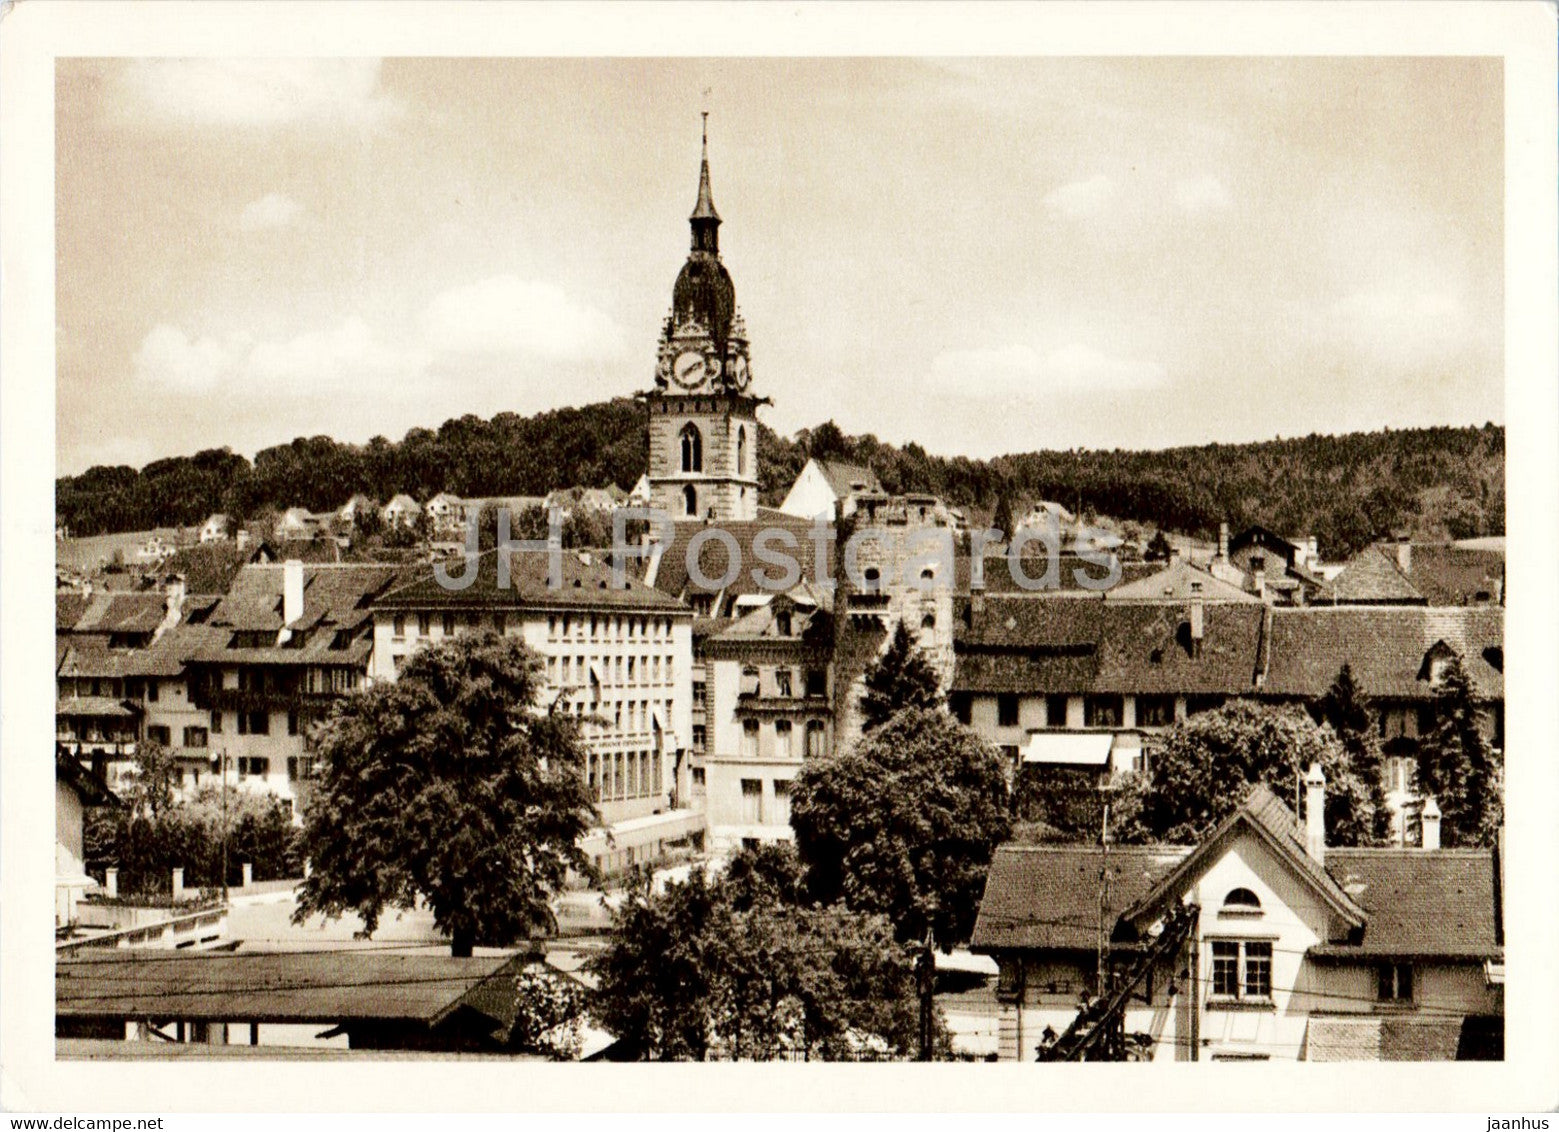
(1345, 490)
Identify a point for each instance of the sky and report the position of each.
(978, 255)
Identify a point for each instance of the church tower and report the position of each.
(703, 413)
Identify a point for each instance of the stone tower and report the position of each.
(703, 414)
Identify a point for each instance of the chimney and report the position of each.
(1405, 556)
(291, 591)
(1223, 542)
(1315, 814)
(1198, 629)
(1430, 824)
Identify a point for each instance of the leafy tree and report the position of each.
(904, 824)
(1346, 710)
(1158, 548)
(550, 1013)
(1064, 803)
(1457, 766)
(450, 785)
(741, 968)
(153, 779)
(1002, 520)
(146, 845)
(1205, 766)
(901, 678)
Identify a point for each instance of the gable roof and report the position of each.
(1371, 576)
(1384, 646)
(1275, 824)
(845, 479)
(1179, 581)
(1047, 896)
(1257, 535)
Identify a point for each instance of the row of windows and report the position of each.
(612, 628)
(625, 715)
(783, 746)
(1098, 710)
(251, 723)
(586, 669)
(783, 682)
(450, 623)
(621, 775)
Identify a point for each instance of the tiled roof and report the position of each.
(672, 576)
(1447, 574)
(1071, 569)
(1385, 647)
(1025, 672)
(1047, 896)
(1179, 581)
(1371, 576)
(1135, 648)
(207, 567)
(848, 479)
(94, 707)
(586, 581)
(1435, 903)
(110, 612)
(335, 598)
(316, 987)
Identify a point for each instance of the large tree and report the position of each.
(904, 824)
(1346, 710)
(1457, 765)
(741, 967)
(1205, 766)
(453, 785)
(900, 678)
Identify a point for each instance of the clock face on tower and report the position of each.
(739, 372)
(688, 369)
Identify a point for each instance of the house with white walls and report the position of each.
(1295, 950)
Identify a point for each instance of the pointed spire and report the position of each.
(705, 208)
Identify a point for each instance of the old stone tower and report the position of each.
(703, 414)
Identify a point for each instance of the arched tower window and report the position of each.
(692, 449)
(741, 451)
(690, 498)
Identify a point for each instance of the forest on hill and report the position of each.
(1345, 490)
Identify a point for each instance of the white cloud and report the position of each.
(1201, 194)
(1081, 199)
(506, 315)
(170, 358)
(1023, 372)
(273, 210)
(312, 363)
(251, 92)
(1400, 328)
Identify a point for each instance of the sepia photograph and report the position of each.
(803, 558)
